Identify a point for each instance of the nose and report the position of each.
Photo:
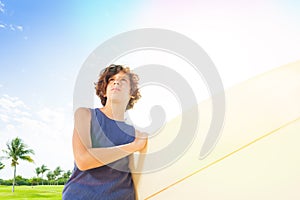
(116, 82)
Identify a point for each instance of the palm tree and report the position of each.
(16, 150)
(1, 165)
(38, 172)
(43, 170)
(66, 175)
(57, 173)
(50, 177)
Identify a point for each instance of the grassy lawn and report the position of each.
(34, 192)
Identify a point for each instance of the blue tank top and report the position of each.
(108, 182)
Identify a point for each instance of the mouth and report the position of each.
(115, 89)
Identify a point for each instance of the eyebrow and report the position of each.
(126, 76)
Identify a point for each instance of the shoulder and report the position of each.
(82, 113)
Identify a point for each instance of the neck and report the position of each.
(114, 111)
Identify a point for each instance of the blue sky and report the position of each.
(44, 43)
(51, 42)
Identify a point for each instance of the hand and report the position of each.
(140, 140)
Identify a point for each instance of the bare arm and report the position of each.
(87, 157)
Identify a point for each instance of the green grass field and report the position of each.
(34, 192)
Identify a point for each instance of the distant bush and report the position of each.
(33, 181)
(5, 182)
(59, 179)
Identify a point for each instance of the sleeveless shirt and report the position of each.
(109, 182)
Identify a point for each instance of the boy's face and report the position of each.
(118, 88)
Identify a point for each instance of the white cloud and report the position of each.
(20, 28)
(4, 118)
(19, 112)
(48, 115)
(12, 108)
(12, 27)
(47, 131)
(2, 7)
(12, 105)
(10, 127)
(29, 124)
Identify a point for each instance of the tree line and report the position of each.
(17, 150)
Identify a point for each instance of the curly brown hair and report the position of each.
(110, 71)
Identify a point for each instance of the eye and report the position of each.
(110, 79)
(124, 80)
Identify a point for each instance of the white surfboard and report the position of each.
(260, 114)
